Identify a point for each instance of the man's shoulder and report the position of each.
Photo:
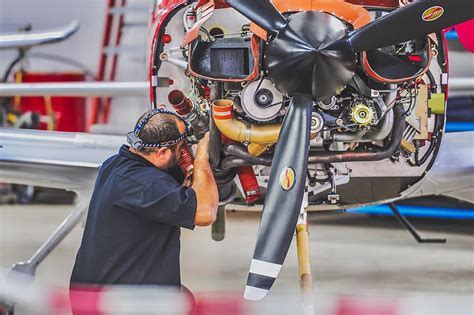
(144, 175)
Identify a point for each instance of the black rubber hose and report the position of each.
(240, 151)
(11, 66)
(214, 144)
(387, 151)
(233, 162)
(437, 128)
(237, 155)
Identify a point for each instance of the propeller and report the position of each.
(262, 13)
(283, 198)
(310, 55)
(410, 22)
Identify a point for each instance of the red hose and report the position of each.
(249, 183)
(186, 162)
(180, 102)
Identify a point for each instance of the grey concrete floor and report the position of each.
(350, 253)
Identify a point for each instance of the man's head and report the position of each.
(160, 128)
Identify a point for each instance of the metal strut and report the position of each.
(304, 263)
(404, 221)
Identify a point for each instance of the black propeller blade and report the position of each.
(411, 21)
(283, 198)
(261, 12)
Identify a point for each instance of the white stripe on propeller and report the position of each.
(264, 268)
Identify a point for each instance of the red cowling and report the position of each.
(466, 34)
(249, 183)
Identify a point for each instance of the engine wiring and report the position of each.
(407, 97)
(435, 136)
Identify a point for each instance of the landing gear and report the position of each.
(74, 217)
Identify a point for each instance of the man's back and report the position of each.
(133, 225)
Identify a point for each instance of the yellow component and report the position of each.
(362, 114)
(421, 112)
(49, 111)
(257, 149)
(12, 118)
(407, 146)
(304, 262)
(16, 99)
(436, 103)
(240, 131)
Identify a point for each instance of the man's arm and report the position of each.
(204, 185)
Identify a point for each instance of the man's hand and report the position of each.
(202, 151)
(204, 185)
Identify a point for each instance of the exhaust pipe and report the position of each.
(190, 112)
(240, 131)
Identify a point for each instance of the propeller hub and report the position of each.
(298, 62)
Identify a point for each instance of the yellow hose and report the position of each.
(240, 131)
(257, 149)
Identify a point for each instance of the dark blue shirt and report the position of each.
(132, 232)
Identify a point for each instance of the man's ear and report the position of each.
(162, 153)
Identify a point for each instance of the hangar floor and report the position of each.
(351, 253)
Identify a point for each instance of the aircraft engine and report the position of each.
(377, 109)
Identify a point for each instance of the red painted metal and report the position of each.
(101, 106)
(158, 20)
(466, 34)
(444, 46)
(376, 3)
(113, 70)
(96, 101)
(166, 39)
(69, 112)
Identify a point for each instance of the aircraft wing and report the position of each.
(28, 39)
(452, 174)
(54, 159)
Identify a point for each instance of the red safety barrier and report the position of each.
(69, 112)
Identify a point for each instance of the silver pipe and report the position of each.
(174, 61)
(75, 89)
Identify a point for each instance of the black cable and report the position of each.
(64, 60)
(433, 85)
(438, 125)
(20, 56)
(433, 143)
(3, 101)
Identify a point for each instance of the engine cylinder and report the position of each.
(198, 120)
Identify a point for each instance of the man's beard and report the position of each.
(173, 162)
